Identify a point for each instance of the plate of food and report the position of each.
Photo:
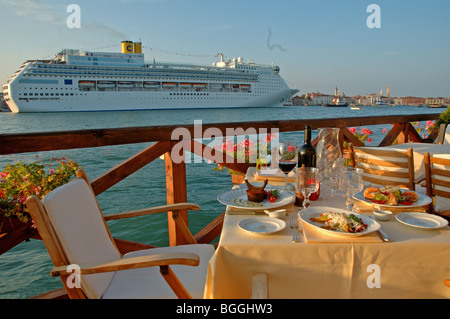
(393, 196)
(262, 225)
(340, 222)
(238, 198)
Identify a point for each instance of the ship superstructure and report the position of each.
(98, 81)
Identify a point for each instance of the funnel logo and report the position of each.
(74, 20)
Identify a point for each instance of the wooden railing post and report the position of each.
(176, 193)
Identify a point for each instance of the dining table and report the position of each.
(412, 263)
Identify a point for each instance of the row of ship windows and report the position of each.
(164, 98)
(133, 75)
(46, 94)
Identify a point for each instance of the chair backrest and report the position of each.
(447, 136)
(384, 166)
(78, 230)
(437, 177)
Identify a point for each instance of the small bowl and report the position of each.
(280, 213)
(255, 196)
(382, 214)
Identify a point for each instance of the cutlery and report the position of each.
(292, 224)
(243, 212)
(384, 235)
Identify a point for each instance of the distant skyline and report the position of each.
(319, 45)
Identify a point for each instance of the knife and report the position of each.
(385, 237)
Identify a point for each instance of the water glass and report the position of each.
(352, 182)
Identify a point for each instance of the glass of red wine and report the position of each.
(287, 158)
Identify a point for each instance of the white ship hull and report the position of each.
(76, 82)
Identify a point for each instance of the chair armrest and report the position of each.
(152, 210)
(132, 263)
(419, 179)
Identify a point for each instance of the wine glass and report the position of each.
(352, 182)
(307, 182)
(287, 158)
(332, 172)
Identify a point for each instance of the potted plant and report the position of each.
(20, 180)
(246, 151)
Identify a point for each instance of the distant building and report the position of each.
(412, 100)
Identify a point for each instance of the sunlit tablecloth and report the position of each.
(419, 150)
(414, 265)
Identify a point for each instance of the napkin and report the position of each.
(314, 235)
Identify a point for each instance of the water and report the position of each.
(24, 270)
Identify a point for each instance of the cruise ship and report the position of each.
(78, 80)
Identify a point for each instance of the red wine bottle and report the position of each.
(307, 152)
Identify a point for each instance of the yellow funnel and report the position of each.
(137, 47)
(127, 47)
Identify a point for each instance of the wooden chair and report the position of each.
(437, 178)
(384, 166)
(76, 236)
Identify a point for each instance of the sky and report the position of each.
(318, 44)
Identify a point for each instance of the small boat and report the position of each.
(244, 87)
(380, 103)
(86, 84)
(126, 84)
(337, 102)
(106, 84)
(355, 108)
(169, 85)
(151, 85)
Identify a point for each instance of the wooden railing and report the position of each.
(176, 172)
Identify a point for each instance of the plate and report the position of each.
(237, 198)
(421, 220)
(423, 200)
(312, 212)
(262, 225)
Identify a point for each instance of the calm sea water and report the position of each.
(24, 270)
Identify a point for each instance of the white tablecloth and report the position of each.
(414, 265)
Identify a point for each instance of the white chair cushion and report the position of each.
(447, 136)
(73, 208)
(149, 283)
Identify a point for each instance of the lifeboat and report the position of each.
(106, 84)
(151, 85)
(86, 84)
(126, 84)
(244, 87)
(169, 84)
(185, 85)
(199, 85)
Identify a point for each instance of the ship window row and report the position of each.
(47, 94)
(147, 72)
(141, 69)
(133, 75)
